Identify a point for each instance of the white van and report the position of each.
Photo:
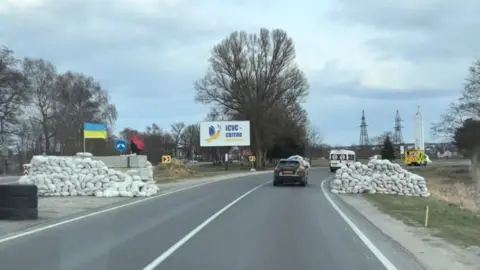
(338, 158)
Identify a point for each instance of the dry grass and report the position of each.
(172, 171)
(454, 205)
(176, 171)
(453, 185)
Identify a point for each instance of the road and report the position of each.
(277, 228)
(8, 179)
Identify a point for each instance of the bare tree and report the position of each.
(190, 139)
(154, 129)
(177, 129)
(379, 140)
(467, 106)
(81, 99)
(314, 138)
(41, 111)
(14, 94)
(249, 76)
(41, 76)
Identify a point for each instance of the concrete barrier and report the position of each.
(115, 162)
(138, 163)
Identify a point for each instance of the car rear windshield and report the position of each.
(288, 163)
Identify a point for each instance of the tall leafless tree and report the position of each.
(81, 99)
(465, 107)
(314, 138)
(41, 76)
(176, 130)
(13, 97)
(190, 139)
(249, 76)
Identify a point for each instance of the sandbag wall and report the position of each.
(83, 176)
(378, 176)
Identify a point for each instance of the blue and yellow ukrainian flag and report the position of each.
(94, 131)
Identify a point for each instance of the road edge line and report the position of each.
(368, 243)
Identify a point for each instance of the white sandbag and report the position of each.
(378, 176)
(82, 176)
(301, 159)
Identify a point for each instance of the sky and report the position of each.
(374, 55)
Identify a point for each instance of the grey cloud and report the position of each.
(63, 32)
(120, 54)
(333, 80)
(418, 30)
(356, 90)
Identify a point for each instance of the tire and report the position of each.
(303, 182)
(18, 202)
(10, 195)
(18, 213)
(276, 183)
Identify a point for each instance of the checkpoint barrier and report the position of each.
(18, 202)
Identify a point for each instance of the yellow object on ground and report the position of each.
(415, 158)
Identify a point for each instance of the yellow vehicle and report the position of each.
(415, 158)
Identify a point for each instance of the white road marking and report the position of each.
(192, 233)
(29, 232)
(380, 256)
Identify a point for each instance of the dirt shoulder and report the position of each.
(451, 237)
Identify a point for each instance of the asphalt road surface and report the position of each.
(228, 225)
(8, 179)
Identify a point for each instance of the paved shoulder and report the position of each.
(8, 179)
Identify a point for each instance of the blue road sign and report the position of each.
(121, 146)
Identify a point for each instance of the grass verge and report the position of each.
(178, 172)
(448, 221)
(165, 178)
(454, 205)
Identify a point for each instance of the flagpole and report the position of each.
(84, 147)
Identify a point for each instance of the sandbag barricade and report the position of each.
(18, 202)
(75, 176)
(378, 176)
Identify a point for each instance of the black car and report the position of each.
(290, 171)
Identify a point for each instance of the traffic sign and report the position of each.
(121, 146)
(166, 159)
(252, 158)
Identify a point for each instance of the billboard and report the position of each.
(224, 133)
